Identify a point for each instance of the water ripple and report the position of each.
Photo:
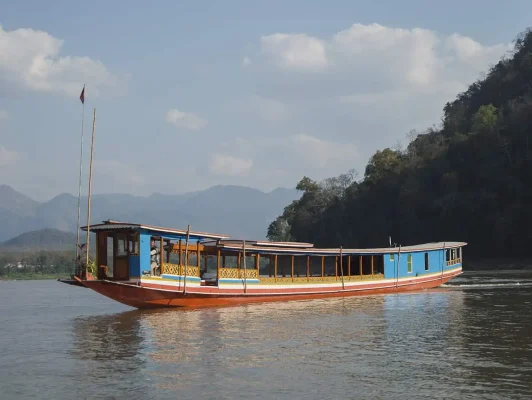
(452, 343)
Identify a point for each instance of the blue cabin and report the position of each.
(123, 250)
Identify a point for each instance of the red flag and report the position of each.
(82, 95)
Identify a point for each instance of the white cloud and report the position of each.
(4, 115)
(246, 61)
(290, 157)
(8, 157)
(468, 50)
(31, 59)
(318, 153)
(366, 85)
(376, 55)
(227, 165)
(185, 120)
(295, 51)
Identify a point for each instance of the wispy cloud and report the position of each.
(185, 120)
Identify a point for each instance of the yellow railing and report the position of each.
(238, 273)
(175, 269)
(455, 261)
(318, 279)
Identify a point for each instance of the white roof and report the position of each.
(115, 225)
(285, 248)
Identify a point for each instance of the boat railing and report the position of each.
(176, 269)
(352, 278)
(238, 273)
(455, 261)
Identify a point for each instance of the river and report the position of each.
(469, 339)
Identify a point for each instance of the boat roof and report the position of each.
(116, 225)
(308, 249)
(261, 243)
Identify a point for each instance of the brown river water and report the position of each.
(469, 339)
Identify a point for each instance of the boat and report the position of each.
(145, 266)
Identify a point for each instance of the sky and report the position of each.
(192, 94)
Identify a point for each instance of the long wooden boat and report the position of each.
(198, 269)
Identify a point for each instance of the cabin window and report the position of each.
(447, 255)
(392, 257)
(133, 244)
(122, 244)
(284, 266)
(330, 266)
(409, 263)
(426, 261)
(378, 265)
(315, 266)
(459, 252)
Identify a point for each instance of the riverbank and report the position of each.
(32, 276)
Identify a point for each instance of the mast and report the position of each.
(186, 260)
(397, 268)
(342, 268)
(78, 256)
(245, 269)
(444, 258)
(89, 194)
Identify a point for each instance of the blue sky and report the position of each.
(191, 94)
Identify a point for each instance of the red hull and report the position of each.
(145, 297)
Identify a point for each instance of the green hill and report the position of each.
(469, 179)
(43, 239)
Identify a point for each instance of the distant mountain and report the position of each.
(15, 202)
(46, 239)
(238, 211)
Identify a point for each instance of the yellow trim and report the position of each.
(319, 279)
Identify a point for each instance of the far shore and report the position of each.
(32, 277)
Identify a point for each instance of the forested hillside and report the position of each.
(470, 179)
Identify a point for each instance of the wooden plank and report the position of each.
(198, 253)
(218, 266)
(191, 247)
(161, 255)
(293, 257)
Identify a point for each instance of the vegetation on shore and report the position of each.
(467, 180)
(31, 276)
(38, 264)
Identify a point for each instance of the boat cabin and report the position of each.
(290, 262)
(126, 251)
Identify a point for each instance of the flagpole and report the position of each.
(78, 257)
(89, 194)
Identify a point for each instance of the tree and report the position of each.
(466, 180)
(485, 119)
(381, 164)
(279, 230)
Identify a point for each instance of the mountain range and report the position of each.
(238, 211)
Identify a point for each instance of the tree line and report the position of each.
(37, 262)
(469, 179)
